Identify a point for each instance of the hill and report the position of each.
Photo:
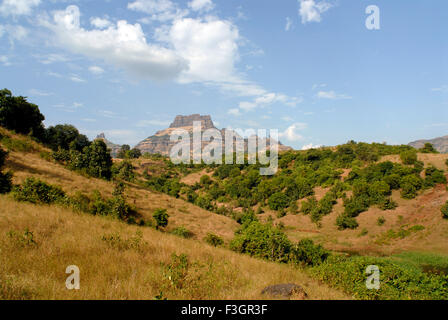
(440, 144)
(160, 142)
(114, 148)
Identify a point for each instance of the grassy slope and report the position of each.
(113, 271)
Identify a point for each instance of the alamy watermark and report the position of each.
(373, 279)
(207, 146)
(73, 280)
(373, 20)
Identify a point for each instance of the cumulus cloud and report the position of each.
(332, 95)
(311, 10)
(123, 45)
(100, 23)
(96, 70)
(234, 112)
(17, 7)
(201, 5)
(4, 60)
(158, 10)
(288, 25)
(292, 133)
(311, 146)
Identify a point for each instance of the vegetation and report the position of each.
(5, 178)
(214, 240)
(36, 191)
(161, 218)
(444, 210)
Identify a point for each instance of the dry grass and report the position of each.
(124, 269)
(182, 213)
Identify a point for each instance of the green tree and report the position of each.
(5, 178)
(17, 114)
(134, 153)
(161, 218)
(65, 136)
(409, 157)
(278, 201)
(99, 160)
(122, 154)
(428, 148)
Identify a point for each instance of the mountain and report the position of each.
(440, 144)
(114, 148)
(160, 142)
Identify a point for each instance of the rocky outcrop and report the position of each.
(440, 144)
(114, 148)
(160, 142)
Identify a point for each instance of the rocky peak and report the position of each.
(187, 121)
(101, 136)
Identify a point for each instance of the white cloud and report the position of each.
(14, 32)
(201, 5)
(159, 10)
(36, 92)
(123, 45)
(76, 78)
(100, 23)
(234, 112)
(96, 70)
(332, 95)
(443, 88)
(18, 7)
(4, 60)
(157, 123)
(311, 10)
(289, 24)
(292, 132)
(311, 146)
(287, 119)
(52, 58)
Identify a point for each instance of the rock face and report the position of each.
(440, 144)
(114, 148)
(160, 142)
(285, 291)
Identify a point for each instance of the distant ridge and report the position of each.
(160, 142)
(440, 144)
(114, 148)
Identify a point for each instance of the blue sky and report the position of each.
(309, 68)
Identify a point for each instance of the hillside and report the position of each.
(440, 144)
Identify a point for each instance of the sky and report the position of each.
(309, 68)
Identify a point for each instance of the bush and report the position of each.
(124, 170)
(388, 204)
(278, 201)
(434, 176)
(5, 178)
(346, 222)
(262, 241)
(381, 221)
(428, 148)
(408, 157)
(161, 218)
(65, 137)
(214, 240)
(444, 210)
(36, 191)
(182, 232)
(309, 205)
(307, 253)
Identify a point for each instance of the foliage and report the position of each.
(398, 281)
(344, 221)
(307, 253)
(434, 176)
(123, 170)
(278, 201)
(65, 137)
(444, 210)
(428, 148)
(5, 178)
(17, 114)
(36, 191)
(408, 157)
(381, 221)
(262, 241)
(161, 218)
(182, 232)
(214, 240)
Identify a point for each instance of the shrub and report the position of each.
(124, 170)
(428, 148)
(99, 161)
(36, 191)
(5, 178)
(444, 210)
(388, 204)
(278, 201)
(161, 218)
(262, 241)
(408, 157)
(65, 137)
(307, 253)
(182, 232)
(309, 205)
(214, 240)
(346, 222)
(434, 176)
(381, 221)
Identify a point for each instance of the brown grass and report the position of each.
(119, 270)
